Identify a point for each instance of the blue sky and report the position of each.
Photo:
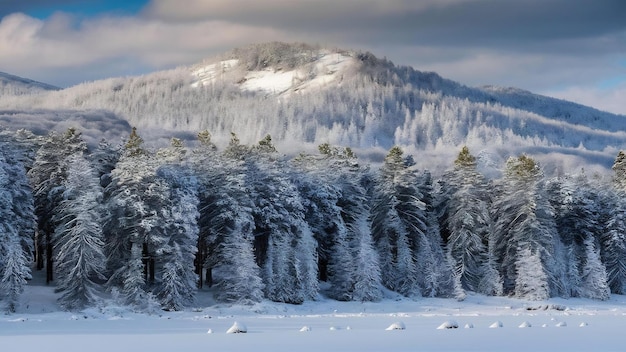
(570, 49)
(43, 9)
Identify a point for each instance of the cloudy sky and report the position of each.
(571, 49)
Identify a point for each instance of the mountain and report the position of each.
(14, 85)
(304, 95)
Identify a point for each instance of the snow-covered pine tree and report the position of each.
(612, 205)
(15, 240)
(323, 214)
(103, 160)
(226, 226)
(619, 169)
(367, 276)
(352, 179)
(336, 201)
(531, 281)
(176, 282)
(17, 159)
(285, 247)
(524, 219)
(47, 175)
(439, 279)
(594, 281)
(396, 250)
(211, 172)
(78, 239)
(14, 270)
(405, 230)
(468, 224)
(578, 222)
(133, 233)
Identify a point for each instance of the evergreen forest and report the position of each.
(153, 229)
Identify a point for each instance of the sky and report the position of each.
(569, 49)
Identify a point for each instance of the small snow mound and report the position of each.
(495, 325)
(334, 328)
(558, 307)
(544, 325)
(469, 326)
(561, 324)
(348, 328)
(450, 324)
(237, 328)
(210, 331)
(396, 326)
(305, 329)
(525, 325)
(583, 324)
(17, 320)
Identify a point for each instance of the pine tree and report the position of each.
(405, 229)
(103, 160)
(468, 222)
(367, 277)
(619, 168)
(14, 271)
(14, 268)
(337, 212)
(613, 237)
(531, 281)
(594, 282)
(176, 282)
(79, 246)
(47, 175)
(579, 226)
(134, 230)
(525, 220)
(439, 278)
(613, 240)
(226, 227)
(286, 249)
(396, 250)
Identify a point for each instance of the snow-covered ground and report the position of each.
(325, 325)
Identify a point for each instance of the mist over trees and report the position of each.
(155, 228)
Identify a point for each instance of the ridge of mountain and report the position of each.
(15, 85)
(304, 95)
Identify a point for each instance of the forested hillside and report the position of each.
(13, 85)
(307, 95)
(147, 228)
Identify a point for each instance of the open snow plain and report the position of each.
(554, 325)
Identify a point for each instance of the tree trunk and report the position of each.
(39, 251)
(49, 271)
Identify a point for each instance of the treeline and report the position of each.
(151, 227)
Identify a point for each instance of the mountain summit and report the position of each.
(305, 95)
(277, 68)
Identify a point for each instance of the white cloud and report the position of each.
(31, 45)
(312, 9)
(611, 100)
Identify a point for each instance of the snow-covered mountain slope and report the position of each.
(305, 95)
(324, 68)
(14, 85)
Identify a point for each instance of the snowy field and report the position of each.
(555, 325)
